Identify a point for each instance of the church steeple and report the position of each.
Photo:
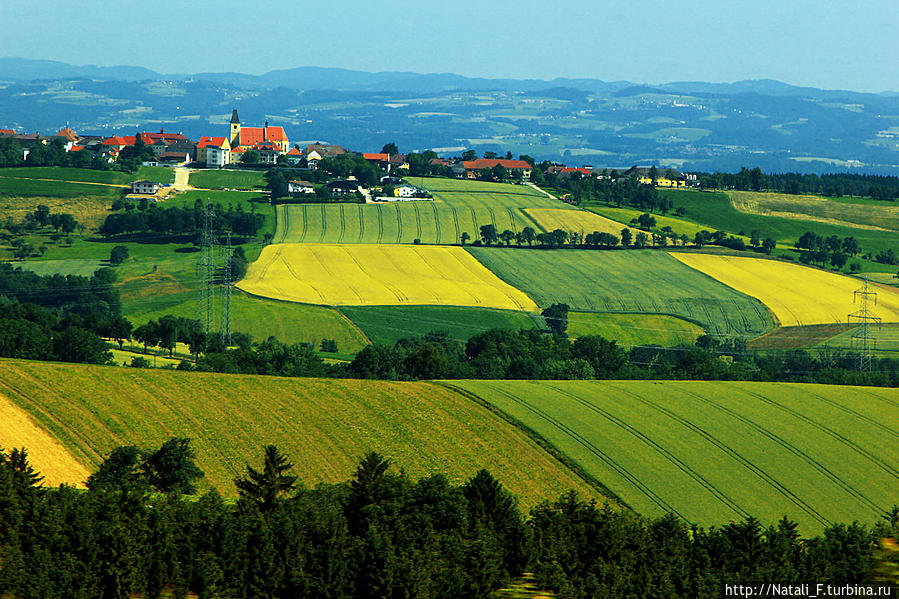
(235, 129)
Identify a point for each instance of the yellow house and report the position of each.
(663, 182)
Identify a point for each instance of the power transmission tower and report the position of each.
(863, 340)
(206, 273)
(226, 294)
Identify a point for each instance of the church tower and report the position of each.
(235, 129)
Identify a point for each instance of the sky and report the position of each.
(820, 43)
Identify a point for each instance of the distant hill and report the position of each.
(690, 125)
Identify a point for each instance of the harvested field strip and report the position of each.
(717, 450)
(579, 221)
(422, 427)
(798, 295)
(358, 274)
(46, 454)
(616, 281)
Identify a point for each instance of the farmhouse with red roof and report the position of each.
(471, 168)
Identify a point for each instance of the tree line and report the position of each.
(382, 534)
(182, 221)
(878, 187)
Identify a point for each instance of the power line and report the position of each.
(226, 293)
(862, 339)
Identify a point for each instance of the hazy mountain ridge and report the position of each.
(692, 125)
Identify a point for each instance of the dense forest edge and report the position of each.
(140, 531)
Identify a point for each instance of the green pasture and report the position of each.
(626, 215)
(714, 210)
(22, 187)
(634, 329)
(635, 281)
(802, 337)
(227, 179)
(885, 339)
(398, 222)
(77, 266)
(443, 184)
(387, 324)
(711, 452)
(88, 175)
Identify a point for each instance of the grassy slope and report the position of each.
(713, 451)
(387, 324)
(883, 215)
(157, 173)
(634, 329)
(627, 281)
(325, 425)
(715, 210)
(26, 188)
(215, 179)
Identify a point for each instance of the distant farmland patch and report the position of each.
(334, 274)
(27, 188)
(718, 451)
(798, 295)
(87, 175)
(88, 210)
(323, 425)
(648, 282)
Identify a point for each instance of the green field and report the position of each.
(87, 175)
(387, 324)
(225, 179)
(323, 425)
(458, 207)
(801, 337)
(715, 210)
(400, 222)
(13, 187)
(647, 282)
(258, 317)
(634, 329)
(886, 339)
(83, 267)
(625, 215)
(881, 215)
(718, 451)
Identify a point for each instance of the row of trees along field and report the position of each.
(133, 533)
(179, 221)
(878, 187)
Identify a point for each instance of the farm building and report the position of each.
(471, 168)
(144, 186)
(341, 187)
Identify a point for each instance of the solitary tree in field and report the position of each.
(267, 486)
(118, 254)
(626, 237)
(465, 237)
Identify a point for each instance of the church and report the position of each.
(270, 142)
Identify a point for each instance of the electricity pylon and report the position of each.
(863, 340)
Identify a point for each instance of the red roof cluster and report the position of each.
(482, 163)
(575, 169)
(206, 141)
(376, 156)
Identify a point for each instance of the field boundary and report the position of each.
(541, 442)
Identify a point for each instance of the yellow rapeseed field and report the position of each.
(798, 295)
(579, 221)
(377, 275)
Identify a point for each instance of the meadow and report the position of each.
(34, 188)
(227, 179)
(626, 215)
(797, 295)
(620, 281)
(711, 452)
(634, 329)
(388, 324)
(357, 274)
(886, 340)
(715, 210)
(323, 425)
(86, 175)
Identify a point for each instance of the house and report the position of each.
(397, 161)
(342, 187)
(471, 168)
(324, 150)
(294, 156)
(144, 186)
(173, 158)
(382, 160)
(249, 137)
(268, 151)
(405, 191)
(300, 187)
(567, 171)
(214, 151)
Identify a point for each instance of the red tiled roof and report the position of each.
(250, 136)
(67, 133)
(7, 132)
(482, 163)
(295, 152)
(575, 169)
(76, 148)
(205, 141)
(267, 145)
(379, 157)
(238, 150)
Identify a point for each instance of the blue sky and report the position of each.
(849, 45)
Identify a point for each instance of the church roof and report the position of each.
(250, 136)
(234, 119)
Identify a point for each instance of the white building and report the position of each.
(144, 186)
